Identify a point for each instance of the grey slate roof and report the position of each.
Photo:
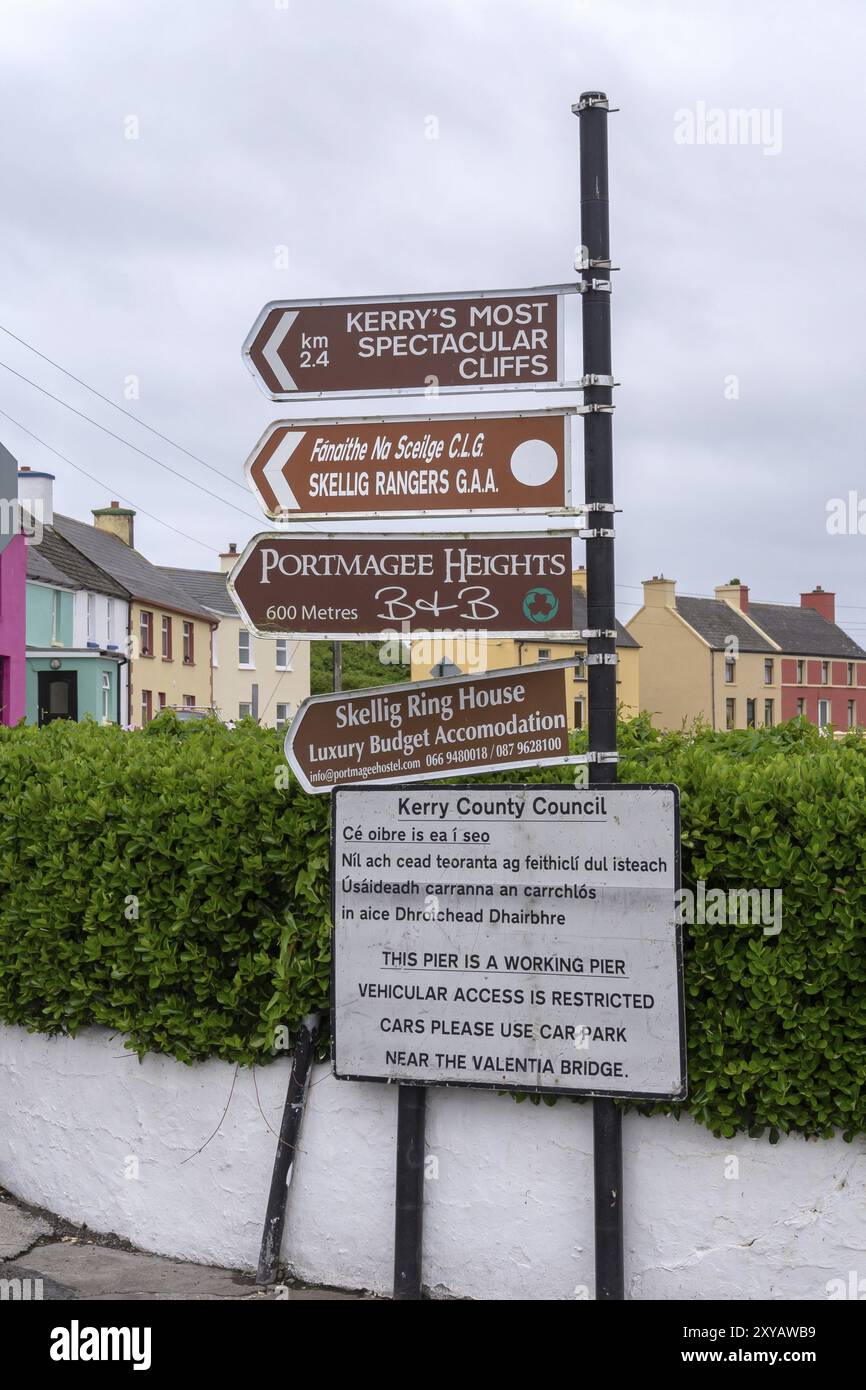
(128, 567)
(56, 554)
(716, 622)
(40, 567)
(207, 587)
(803, 632)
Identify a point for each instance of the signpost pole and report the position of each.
(409, 1195)
(338, 665)
(594, 263)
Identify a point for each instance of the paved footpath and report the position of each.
(73, 1263)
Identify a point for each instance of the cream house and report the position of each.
(263, 678)
(477, 652)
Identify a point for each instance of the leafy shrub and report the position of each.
(185, 826)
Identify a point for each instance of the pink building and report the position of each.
(13, 596)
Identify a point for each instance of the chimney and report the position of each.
(735, 594)
(116, 520)
(229, 558)
(578, 579)
(36, 494)
(822, 602)
(659, 592)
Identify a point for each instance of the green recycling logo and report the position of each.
(540, 606)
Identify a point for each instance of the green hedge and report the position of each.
(191, 828)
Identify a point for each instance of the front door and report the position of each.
(58, 695)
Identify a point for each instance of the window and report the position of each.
(825, 672)
(284, 714)
(578, 714)
(145, 633)
(106, 697)
(751, 715)
(730, 670)
(730, 714)
(768, 670)
(245, 654)
(166, 637)
(188, 644)
(801, 709)
(768, 714)
(91, 617)
(55, 617)
(852, 680)
(823, 713)
(283, 654)
(245, 710)
(543, 653)
(160, 699)
(852, 714)
(189, 702)
(146, 707)
(109, 622)
(801, 672)
(580, 668)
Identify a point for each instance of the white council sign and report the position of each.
(519, 937)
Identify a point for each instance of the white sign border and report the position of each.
(587, 1092)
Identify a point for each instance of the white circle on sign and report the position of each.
(534, 462)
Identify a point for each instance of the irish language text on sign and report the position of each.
(413, 344)
(452, 464)
(514, 937)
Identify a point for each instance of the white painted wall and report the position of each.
(109, 628)
(509, 1215)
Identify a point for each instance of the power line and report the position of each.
(128, 413)
(108, 487)
(151, 457)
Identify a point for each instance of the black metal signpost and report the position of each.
(594, 268)
(594, 264)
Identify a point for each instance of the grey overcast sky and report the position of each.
(270, 124)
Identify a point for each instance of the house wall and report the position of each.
(675, 668)
(89, 670)
(39, 610)
(473, 655)
(171, 677)
(109, 630)
(748, 683)
(13, 610)
(233, 683)
(812, 689)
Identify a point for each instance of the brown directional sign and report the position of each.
(414, 344)
(344, 588)
(422, 730)
(451, 464)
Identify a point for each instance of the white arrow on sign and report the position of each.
(271, 351)
(273, 470)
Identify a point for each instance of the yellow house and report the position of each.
(169, 643)
(734, 663)
(490, 654)
(264, 678)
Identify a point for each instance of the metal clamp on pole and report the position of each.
(608, 632)
(594, 409)
(611, 756)
(595, 379)
(594, 534)
(602, 659)
(602, 286)
(582, 262)
(598, 507)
